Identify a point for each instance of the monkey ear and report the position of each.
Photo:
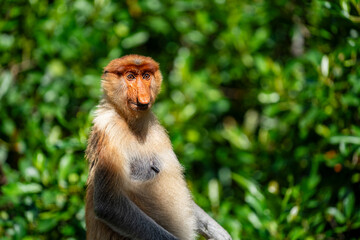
(105, 72)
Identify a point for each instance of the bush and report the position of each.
(260, 98)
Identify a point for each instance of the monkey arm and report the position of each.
(208, 227)
(120, 213)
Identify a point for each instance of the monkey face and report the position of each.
(132, 83)
(139, 97)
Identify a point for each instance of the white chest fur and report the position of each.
(153, 148)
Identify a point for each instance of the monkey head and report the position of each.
(131, 83)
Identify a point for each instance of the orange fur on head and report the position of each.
(134, 80)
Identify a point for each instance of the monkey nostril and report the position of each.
(142, 106)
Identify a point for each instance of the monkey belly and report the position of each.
(167, 200)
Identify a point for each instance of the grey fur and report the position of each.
(144, 169)
(121, 214)
(137, 61)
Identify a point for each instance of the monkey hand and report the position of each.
(213, 231)
(208, 227)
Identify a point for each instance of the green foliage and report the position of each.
(260, 98)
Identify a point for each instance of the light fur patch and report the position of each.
(167, 192)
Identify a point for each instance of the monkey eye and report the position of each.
(146, 76)
(130, 76)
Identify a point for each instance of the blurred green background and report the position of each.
(260, 98)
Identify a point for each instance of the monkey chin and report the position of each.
(139, 107)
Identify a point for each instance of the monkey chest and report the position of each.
(144, 168)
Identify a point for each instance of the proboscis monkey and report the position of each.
(136, 188)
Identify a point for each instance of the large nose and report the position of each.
(143, 91)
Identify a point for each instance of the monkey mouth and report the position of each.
(139, 106)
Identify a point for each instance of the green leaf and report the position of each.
(349, 204)
(345, 139)
(64, 169)
(15, 189)
(45, 225)
(248, 185)
(339, 216)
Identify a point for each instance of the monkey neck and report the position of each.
(137, 122)
(139, 125)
